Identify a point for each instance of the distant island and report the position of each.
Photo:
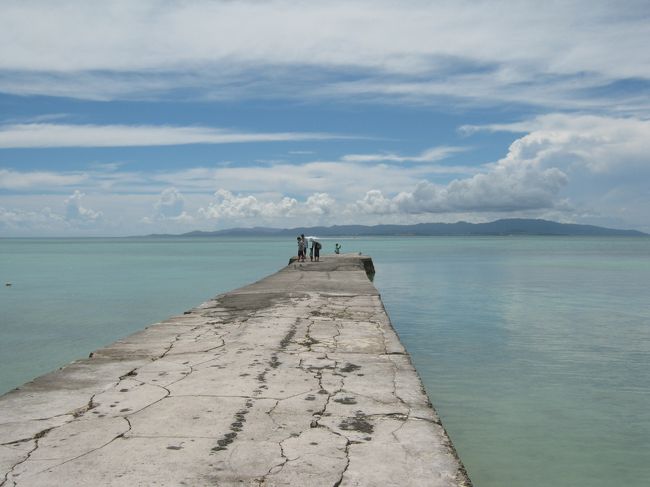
(511, 226)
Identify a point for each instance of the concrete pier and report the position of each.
(296, 380)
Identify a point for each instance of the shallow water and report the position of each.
(534, 350)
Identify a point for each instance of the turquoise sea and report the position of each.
(534, 350)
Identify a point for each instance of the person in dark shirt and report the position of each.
(301, 249)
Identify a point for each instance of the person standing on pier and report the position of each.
(301, 249)
(304, 246)
(316, 245)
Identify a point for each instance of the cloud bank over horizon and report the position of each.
(145, 117)
(535, 177)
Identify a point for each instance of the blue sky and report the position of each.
(126, 118)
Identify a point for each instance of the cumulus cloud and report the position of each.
(235, 207)
(320, 204)
(604, 158)
(374, 202)
(541, 171)
(170, 204)
(242, 207)
(600, 144)
(502, 190)
(169, 208)
(516, 183)
(497, 192)
(75, 213)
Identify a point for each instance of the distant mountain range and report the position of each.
(512, 226)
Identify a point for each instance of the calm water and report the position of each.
(534, 350)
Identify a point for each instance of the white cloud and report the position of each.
(505, 188)
(44, 118)
(270, 208)
(170, 207)
(598, 143)
(430, 155)
(302, 179)
(321, 204)
(333, 177)
(604, 158)
(470, 49)
(489, 88)
(374, 202)
(20, 180)
(237, 207)
(55, 135)
(502, 190)
(170, 204)
(77, 214)
(403, 37)
(18, 219)
(590, 159)
(572, 167)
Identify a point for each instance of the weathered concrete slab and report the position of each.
(296, 380)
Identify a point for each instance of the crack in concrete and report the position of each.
(41, 434)
(130, 373)
(77, 413)
(270, 411)
(394, 432)
(36, 437)
(404, 403)
(16, 442)
(319, 414)
(427, 420)
(171, 345)
(223, 344)
(309, 340)
(13, 445)
(168, 393)
(347, 463)
(279, 466)
(216, 358)
(173, 437)
(178, 337)
(335, 338)
(394, 369)
(380, 329)
(121, 435)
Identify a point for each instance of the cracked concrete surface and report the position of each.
(298, 379)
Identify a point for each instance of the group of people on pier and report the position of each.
(314, 247)
(304, 245)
